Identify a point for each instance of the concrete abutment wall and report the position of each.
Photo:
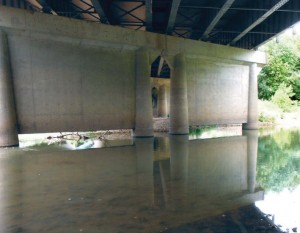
(71, 75)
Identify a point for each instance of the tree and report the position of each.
(282, 97)
(283, 67)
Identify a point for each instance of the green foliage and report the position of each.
(283, 67)
(199, 130)
(266, 119)
(282, 97)
(278, 165)
(295, 82)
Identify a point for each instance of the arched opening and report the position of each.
(160, 89)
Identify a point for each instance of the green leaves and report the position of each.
(282, 97)
(281, 76)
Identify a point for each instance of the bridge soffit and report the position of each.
(77, 31)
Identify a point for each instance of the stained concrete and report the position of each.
(70, 87)
(71, 75)
(217, 92)
(179, 123)
(252, 117)
(143, 107)
(8, 121)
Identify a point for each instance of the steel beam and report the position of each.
(217, 18)
(160, 66)
(172, 17)
(99, 9)
(149, 26)
(259, 20)
(46, 8)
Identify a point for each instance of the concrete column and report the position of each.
(143, 107)
(8, 120)
(252, 120)
(162, 101)
(252, 145)
(179, 123)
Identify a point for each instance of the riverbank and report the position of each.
(271, 115)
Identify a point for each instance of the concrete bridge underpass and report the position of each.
(62, 74)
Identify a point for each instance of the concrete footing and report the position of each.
(252, 119)
(143, 112)
(8, 122)
(178, 103)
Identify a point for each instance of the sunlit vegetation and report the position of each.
(282, 73)
(279, 82)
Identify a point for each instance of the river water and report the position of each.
(239, 183)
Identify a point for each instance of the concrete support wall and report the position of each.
(178, 101)
(68, 86)
(8, 121)
(217, 92)
(71, 75)
(252, 117)
(143, 107)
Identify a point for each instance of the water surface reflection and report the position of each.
(278, 173)
(155, 185)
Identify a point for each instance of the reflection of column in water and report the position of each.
(144, 158)
(161, 177)
(162, 151)
(161, 168)
(179, 148)
(10, 194)
(252, 143)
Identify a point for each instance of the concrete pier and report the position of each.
(162, 101)
(143, 112)
(8, 122)
(252, 119)
(178, 103)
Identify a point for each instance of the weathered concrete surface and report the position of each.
(8, 121)
(71, 75)
(163, 101)
(252, 118)
(217, 92)
(62, 28)
(143, 105)
(163, 106)
(179, 123)
(71, 87)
